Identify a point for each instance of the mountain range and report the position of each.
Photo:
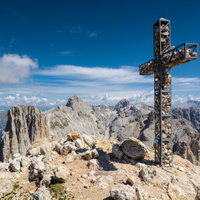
(26, 124)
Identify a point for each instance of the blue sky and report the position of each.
(50, 50)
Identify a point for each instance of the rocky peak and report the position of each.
(192, 114)
(122, 104)
(25, 125)
(76, 103)
(145, 108)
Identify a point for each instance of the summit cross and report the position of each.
(165, 57)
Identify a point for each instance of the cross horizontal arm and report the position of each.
(147, 68)
(179, 55)
(171, 58)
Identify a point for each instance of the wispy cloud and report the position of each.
(15, 68)
(122, 75)
(11, 42)
(182, 80)
(184, 84)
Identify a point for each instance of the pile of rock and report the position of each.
(77, 146)
(38, 157)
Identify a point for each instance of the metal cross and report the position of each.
(165, 57)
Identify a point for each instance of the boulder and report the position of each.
(91, 154)
(79, 143)
(67, 148)
(133, 149)
(34, 152)
(71, 157)
(42, 194)
(89, 141)
(25, 162)
(93, 163)
(58, 148)
(123, 193)
(44, 150)
(61, 174)
(15, 165)
(46, 180)
(37, 163)
(147, 174)
(116, 151)
(73, 135)
(34, 174)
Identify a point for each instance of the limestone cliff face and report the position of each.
(192, 114)
(25, 125)
(193, 150)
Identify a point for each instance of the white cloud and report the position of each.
(15, 68)
(10, 101)
(139, 96)
(122, 75)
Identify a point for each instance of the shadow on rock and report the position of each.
(108, 198)
(104, 161)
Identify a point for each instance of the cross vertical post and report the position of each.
(165, 57)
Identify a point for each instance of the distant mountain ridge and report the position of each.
(118, 122)
(191, 103)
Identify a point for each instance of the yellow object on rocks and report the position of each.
(73, 135)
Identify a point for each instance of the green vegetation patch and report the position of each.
(57, 190)
(56, 124)
(62, 125)
(16, 186)
(9, 198)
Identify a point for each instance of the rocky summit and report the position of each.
(84, 168)
(80, 151)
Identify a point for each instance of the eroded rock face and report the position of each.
(186, 140)
(191, 114)
(25, 125)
